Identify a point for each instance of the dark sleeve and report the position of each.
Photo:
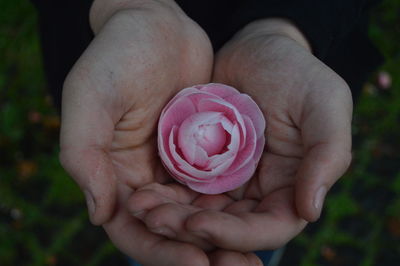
(336, 29)
(65, 33)
(323, 22)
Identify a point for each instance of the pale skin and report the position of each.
(144, 52)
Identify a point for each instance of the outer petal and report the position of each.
(225, 183)
(178, 96)
(247, 152)
(175, 114)
(188, 93)
(169, 163)
(259, 148)
(247, 106)
(218, 89)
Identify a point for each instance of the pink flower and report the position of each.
(211, 137)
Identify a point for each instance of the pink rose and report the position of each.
(211, 137)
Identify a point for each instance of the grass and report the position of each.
(43, 219)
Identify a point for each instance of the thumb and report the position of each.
(326, 133)
(87, 128)
(323, 165)
(93, 171)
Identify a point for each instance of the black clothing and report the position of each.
(336, 30)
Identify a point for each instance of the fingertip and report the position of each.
(253, 259)
(101, 208)
(101, 198)
(93, 171)
(323, 165)
(310, 204)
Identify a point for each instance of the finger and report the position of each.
(231, 258)
(272, 225)
(93, 171)
(213, 202)
(132, 237)
(155, 194)
(142, 201)
(173, 191)
(326, 132)
(169, 220)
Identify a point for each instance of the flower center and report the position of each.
(211, 137)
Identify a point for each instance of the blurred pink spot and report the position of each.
(384, 80)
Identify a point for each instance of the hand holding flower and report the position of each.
(308, 109)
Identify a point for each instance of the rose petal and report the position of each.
(212, 138)
(218, 89)
(194, 173)
(170, 117)
(199, 96)
(166, 157)
(259, 148)
(190, 127)
(230, 154)
(230, 111)
(225, 183)
(247, 106)
(247, 152)
(175, 115)
(201, 158)
(177, 161)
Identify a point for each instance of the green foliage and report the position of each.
(43, 218)
(361, 221)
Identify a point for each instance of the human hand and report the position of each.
(308, 110)
(141, 56)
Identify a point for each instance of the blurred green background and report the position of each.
(43, 219)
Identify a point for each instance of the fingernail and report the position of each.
(90, 202)
(319, 198)
(164, 231)
(140, 214)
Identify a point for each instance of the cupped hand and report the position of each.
(308, 109)
(141, 56)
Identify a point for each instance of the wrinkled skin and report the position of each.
(111, 102)
(308, 109)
